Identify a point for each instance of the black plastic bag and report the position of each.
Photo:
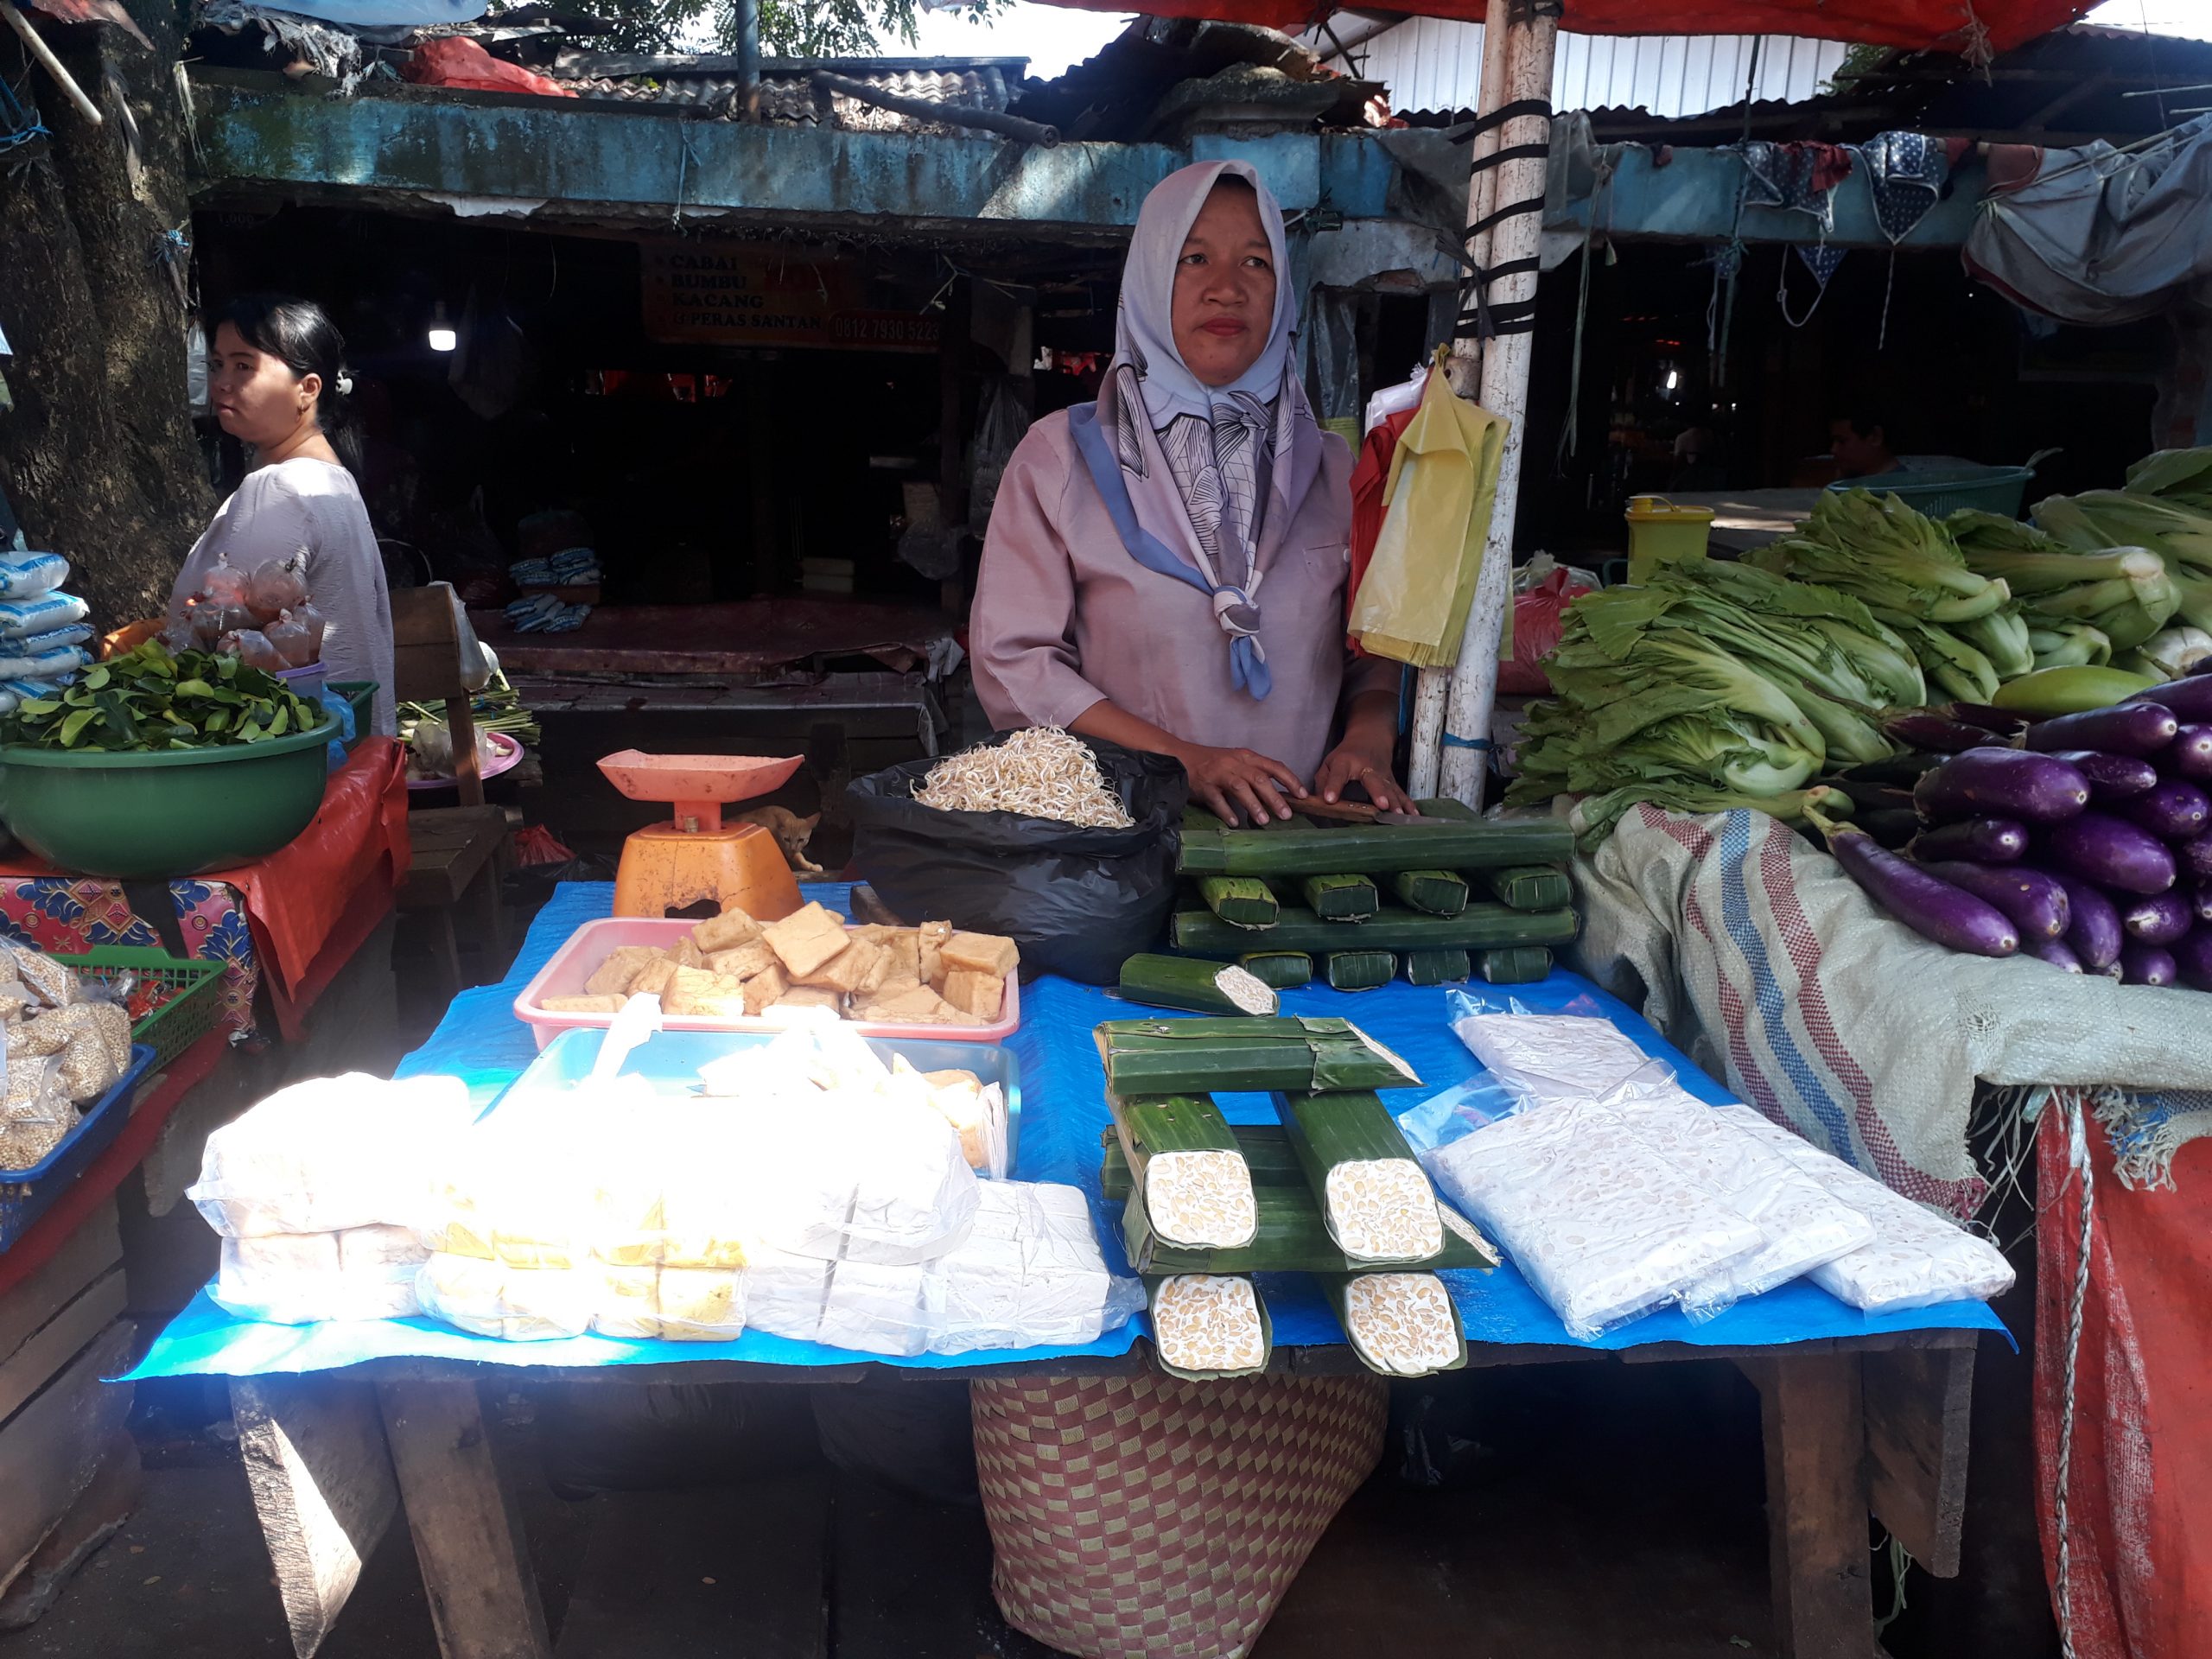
(1079, 902)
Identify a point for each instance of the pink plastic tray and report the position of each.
(592, 943)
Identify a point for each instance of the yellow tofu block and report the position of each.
(584, 1004)
(629, 1302)
(806, 939)
(700, 1304)
(810, 996)
(970, 992)
(742, 961)
(929, 944)
(690, 985)
(654, 980)
(849, 969)
(982, 953)
(726, 931)
(764, 988)
(614, 976)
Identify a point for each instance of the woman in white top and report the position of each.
(276, 379)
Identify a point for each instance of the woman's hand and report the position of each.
(1361, 760)
(1235, 785)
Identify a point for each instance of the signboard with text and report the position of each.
(730, 294)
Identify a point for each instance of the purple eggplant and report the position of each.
(2002, 721)
(1893, 829)
(2145, 964)
(2191, 753)
(1985, 841)
(2001, 783)
(1928, 906)
(2200, 904)
(2173, 812)
(2136, 728)
(2195, 856)
(2192, 954)
(2034, 902)
(2056, 954)
(2112, 776)
(2112, 853)
(1923, 730)
(2190, 698)
(2093, 930)
(2159, 919)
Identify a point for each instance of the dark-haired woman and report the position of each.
(276, 380)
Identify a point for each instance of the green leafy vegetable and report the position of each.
(149, 700)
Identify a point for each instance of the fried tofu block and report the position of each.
(655, 978)
(614, 976)
(904, 947)
(970, 992)
(742, 961)
(584, 1004)
(810, 996)
(686, 954)
(983, 953)
(919, 1006)
(726, 931)
(930, 939)
(762, 991)
(689, 986)
(850, 970)
(806, 939)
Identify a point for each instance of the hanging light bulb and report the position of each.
(1674, 379)
(442, 335)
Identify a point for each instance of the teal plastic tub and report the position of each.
(168, 812)
(1939, 491)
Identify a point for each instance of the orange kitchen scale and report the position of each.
(695, 856)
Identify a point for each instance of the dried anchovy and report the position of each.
(1040, 773)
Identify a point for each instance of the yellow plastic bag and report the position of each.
(1442, 485)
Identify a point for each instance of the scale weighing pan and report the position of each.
(693, 855)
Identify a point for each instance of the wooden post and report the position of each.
(1465, 739)
(1814, 1417)
(322, 1485)
(468, 1539)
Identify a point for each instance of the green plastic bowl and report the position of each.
(169, 812)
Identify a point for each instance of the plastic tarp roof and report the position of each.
(1952, 25)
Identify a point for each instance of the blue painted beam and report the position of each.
(552, 159)
(1693, 199)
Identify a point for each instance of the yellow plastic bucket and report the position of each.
(1659, 532)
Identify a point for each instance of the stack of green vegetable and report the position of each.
(2165, 510)
(1717, 685)
(498, 708)
(1333, 1192)
(150, 699)
(1964, 627)
(1250, 883)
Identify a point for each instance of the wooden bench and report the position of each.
(453, 848)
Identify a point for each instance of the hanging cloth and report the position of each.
(1442, 486)
(1905, 174)
(1822, 260)
(1797, 177)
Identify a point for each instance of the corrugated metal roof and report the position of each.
(789, 99)
(1433, 63)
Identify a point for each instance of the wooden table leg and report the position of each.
(468, 1538)
(1817, 1553)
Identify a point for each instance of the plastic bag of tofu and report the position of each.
(1030, 1275)
(495, 1298)
(363, 1272)
(330, 1154)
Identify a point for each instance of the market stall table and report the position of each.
(339, 1422)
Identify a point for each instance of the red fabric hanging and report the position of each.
(1951, 25)
(452, 60)
(2140, 1575)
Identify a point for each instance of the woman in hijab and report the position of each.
(1166, 567)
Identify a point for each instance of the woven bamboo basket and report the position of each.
(1145, 1517)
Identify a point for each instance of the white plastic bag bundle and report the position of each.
(518, 1189)
(365, 1272)
(1804, 1225)
(1031, 1274)
(26, 576)
(857, 1180)
(1917, 1259)
(675, 1304)
(330, 1154)
(493, 1299)
(1603, 1227)
(1545, 1057)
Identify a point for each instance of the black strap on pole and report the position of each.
(1527, 106)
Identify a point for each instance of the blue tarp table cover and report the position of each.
(1064, 1115)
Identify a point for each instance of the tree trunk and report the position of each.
(99, 459)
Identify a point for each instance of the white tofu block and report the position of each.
(783, 1293)
(876, 1309)
(1030, 1275)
